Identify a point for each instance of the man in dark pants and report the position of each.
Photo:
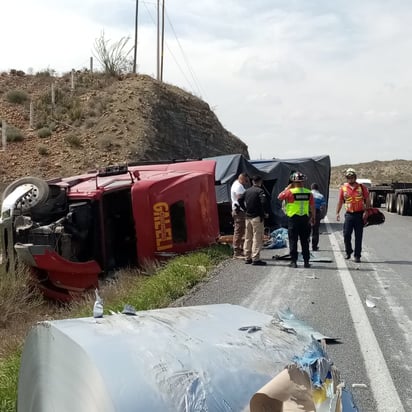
(320, 206)
(355, 196)
(300, 210)
(256, 205)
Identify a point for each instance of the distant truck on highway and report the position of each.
(397, 197)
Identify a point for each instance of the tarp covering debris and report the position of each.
(278, 239)
(275, 173)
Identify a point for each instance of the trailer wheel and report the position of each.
(374, 199)
(409, 209)
(399, 205)
(392, 203)
(37, 197)
(407, 202)
(403, 204)
(388, 201)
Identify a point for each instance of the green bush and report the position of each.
(43, 150)
(44, 132)
(14, 135)
(17, 97)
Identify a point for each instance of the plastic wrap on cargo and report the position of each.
(200, 358)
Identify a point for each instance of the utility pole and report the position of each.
(3, 135)
(163, 40)
(135, 37)
(158, 41)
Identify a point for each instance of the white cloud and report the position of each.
(289, 78)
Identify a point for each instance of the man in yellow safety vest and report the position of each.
(300, 210)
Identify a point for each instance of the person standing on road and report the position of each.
(320, 207)
(355, 196)
(300, 210)
(238, 214)
(256, 205)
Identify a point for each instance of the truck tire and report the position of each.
(403, 204)
(398, 204)
(409, 210)
(392, 203)
(388, 201)
(38, 196)
(374, 199)
(407, 202)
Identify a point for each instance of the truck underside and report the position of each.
(397, 197)
(72, 232)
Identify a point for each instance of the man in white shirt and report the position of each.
(237, 189)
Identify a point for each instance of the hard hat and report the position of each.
(350, 172)
(297, 177)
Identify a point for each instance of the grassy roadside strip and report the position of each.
(9, 372)
(144, 291)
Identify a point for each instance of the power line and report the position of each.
(192, 87)
(185, 58)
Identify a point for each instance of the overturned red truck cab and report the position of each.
(73, 230)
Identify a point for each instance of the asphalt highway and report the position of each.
(366, 307)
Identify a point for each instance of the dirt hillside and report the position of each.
(90, 120)
(83, 121)
(380, 172)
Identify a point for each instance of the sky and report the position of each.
(290, 78)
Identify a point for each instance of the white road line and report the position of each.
(383, 388)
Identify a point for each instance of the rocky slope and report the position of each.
(104, 121)
(98, 120)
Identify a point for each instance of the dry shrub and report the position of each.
(89, 123)
(73, 140)
(18, 296)
(43, 150)
(20, 302)
(17, 96)
(14, 135)
(105, 143)
(44, 132)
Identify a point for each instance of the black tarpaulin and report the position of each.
(275, 173)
